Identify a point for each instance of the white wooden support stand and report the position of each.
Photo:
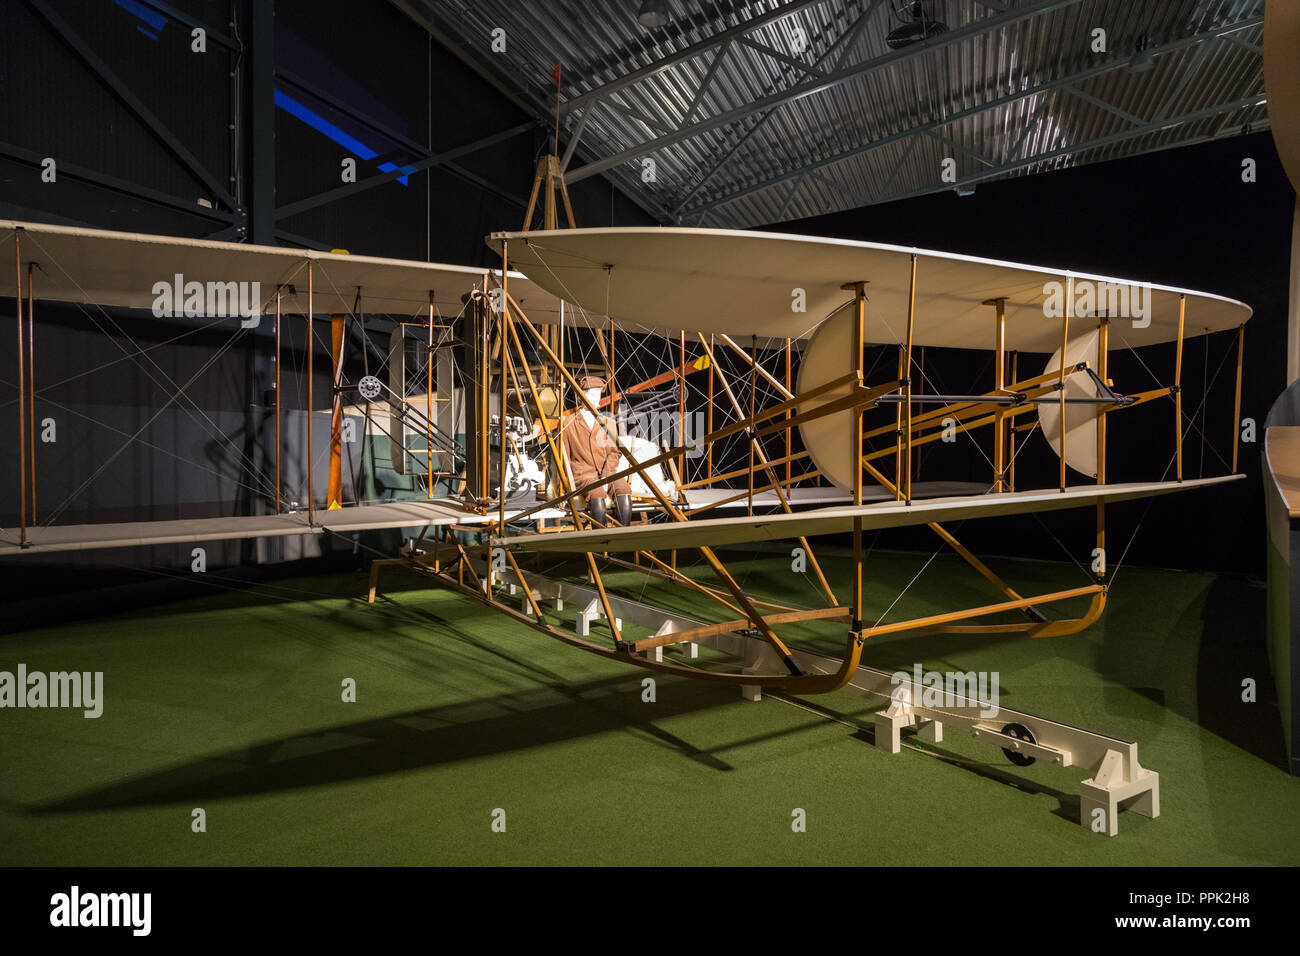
(592, 612)
(1118, 778)
(1117, 775)
(672, 626)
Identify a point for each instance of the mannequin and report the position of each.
(593, 454)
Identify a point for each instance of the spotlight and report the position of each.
(1142, 60)
(653, 13)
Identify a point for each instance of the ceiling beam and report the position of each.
(805, 68)
(831, 81)
(687, 53)
(169, 141)
(838, 50)
(1079, 147)
(522, 100)
(1115, 63)
(1102, 104)
(706, 82)
(429, 162)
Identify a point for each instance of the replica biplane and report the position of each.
(763, 341)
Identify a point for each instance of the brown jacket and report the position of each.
(593, 454)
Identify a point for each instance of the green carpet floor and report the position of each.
(233, 704)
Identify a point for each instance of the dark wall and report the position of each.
(361, 67)
(1180, 217)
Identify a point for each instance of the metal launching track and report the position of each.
(1116, 775)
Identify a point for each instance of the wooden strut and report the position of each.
(920, 367)
(677, 483)
(1103, 366)
(812, 683)
(481, 391)
(999, 385)
(965, 412)
(1065, 339)
(898, 434)
(511, 335)
(1178, 387)
(428, 401)
(859, 290)
(782, 389)
(756, 450)
(708, 425)
(1236, 404)
(311, 348)
(968, 556)
(936, 619)
(665, 572)
(794, 681)
(1038, 625)
(860, 397)
(1011, 431)
(22, 412)
(753, 442)
(730, 627)
(795, 684)
(501, 413)
(906, 376)
(1031, 388)
(788, 433)
(799, 456)
(334, 493)
(611, 400)
(967, 425)
(809, 682)
(550, 176)
(937, 528)
(681, 399)
(31, 386)
(278, 486)
(771, 486)
(672, 574)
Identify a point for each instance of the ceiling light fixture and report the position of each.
(918, 25)
(1142, 60)
(653, 13)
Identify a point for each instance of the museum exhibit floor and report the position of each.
(232, 703)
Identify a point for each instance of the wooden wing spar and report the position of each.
(737, 282)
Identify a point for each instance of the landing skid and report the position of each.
(1116, 777)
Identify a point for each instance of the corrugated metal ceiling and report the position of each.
(750, 113)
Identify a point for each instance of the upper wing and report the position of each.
(714, 532)
(110, 268)
(752, 283)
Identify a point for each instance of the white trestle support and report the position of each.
(1116, 775)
